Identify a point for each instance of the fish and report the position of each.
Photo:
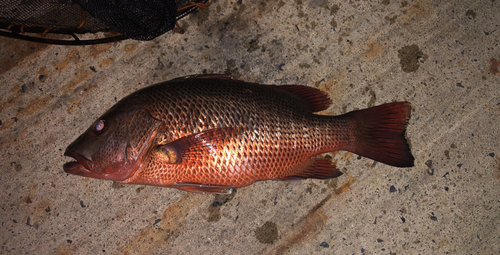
(212, 134)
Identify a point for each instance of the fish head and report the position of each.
(114, 146)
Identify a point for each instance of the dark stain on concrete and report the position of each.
(332, 183)
(392, 19)
(494, 66)
(27, 200)
(117, 185)
(318, 3)
(253, 45)
(242, 16)
(470, 14)
(18, 167)
(310, 188)
(410, 57)
(138, 190)
(267, 233)
(232, 69)
(373, 96)
(200, 16)
(214, 208)
(333, 23)
(334, 9)
(430, 169)
(304, 65)
(235, 22)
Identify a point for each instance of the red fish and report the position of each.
(211, 133)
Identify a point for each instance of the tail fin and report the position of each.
(380, 133)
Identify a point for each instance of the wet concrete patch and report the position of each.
(14, 52)
(494, 66)
(117, 185)
(215, 207)
(18, 167)
(470, 14)
(267, 233)
(155, 236)
(311, 224)
(410, 57)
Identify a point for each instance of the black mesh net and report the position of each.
(134, 19)
(38, 16)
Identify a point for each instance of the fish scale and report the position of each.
(212, 133)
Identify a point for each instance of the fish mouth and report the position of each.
(82, 166)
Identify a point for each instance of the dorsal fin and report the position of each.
(316, 99)
(313, 97)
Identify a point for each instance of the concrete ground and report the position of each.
(442, 56)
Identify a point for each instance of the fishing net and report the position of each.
(120, 19)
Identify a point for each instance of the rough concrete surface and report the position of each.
(442, 56)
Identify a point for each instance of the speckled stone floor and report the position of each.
(442, 56)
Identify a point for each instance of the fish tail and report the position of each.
(379, 133)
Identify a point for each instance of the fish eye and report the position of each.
(99, 126)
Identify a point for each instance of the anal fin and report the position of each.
(317, 168)
(203, 188)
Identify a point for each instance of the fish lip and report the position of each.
(82, 165)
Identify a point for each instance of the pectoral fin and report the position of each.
(198, 147)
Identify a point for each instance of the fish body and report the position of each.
(211, 133)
